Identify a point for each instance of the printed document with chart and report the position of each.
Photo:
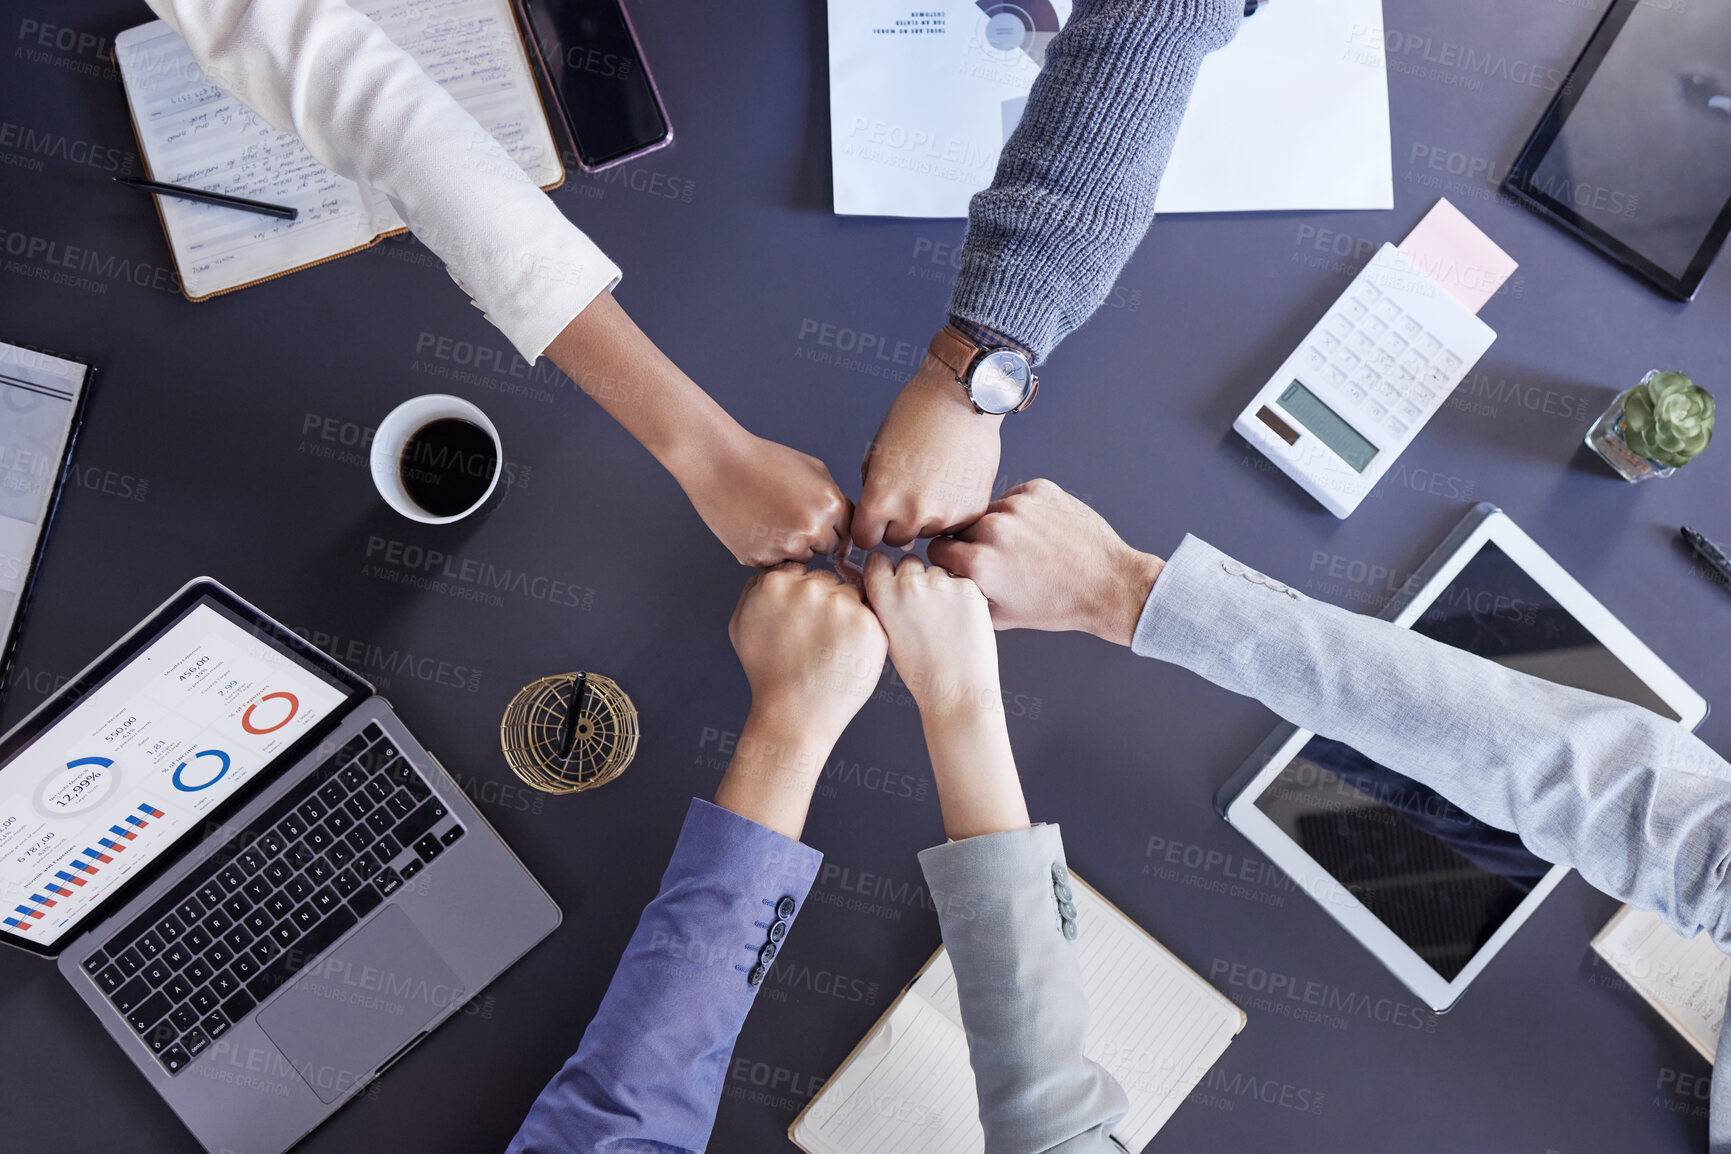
(193, 133)
(1293, 114)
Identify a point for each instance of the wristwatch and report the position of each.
(998, 379)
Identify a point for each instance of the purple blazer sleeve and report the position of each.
(648, 1074)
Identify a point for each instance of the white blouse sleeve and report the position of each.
(363, 106)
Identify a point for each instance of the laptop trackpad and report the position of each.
(352, 1009)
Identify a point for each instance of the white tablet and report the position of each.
(1429, 890)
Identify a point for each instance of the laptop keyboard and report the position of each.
(268, 903)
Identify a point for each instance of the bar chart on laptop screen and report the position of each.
(140, 762)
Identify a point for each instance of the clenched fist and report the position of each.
(766, 502)
(1047, 561)
(931, 466)
(940, 634)
(812, 653)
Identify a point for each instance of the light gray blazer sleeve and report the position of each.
(1635, 802)
(1003, 905)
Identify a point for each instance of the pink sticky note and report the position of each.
(1452, 251)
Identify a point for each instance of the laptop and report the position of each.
(265, 888)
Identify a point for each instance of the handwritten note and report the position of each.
(1685, 979)
(195, 134)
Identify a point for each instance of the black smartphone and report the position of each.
(603, 86)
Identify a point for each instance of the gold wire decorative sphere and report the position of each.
(569, 732)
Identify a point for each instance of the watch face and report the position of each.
(1001, 381)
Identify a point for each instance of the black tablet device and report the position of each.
(41, 404)
(1634, 154)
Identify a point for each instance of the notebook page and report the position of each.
(1153, 1023)
(472, 47)
(1685, 979)
(193, 133)
(908, 1090)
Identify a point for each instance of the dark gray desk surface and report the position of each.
(220, 441)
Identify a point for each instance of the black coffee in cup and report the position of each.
(448, 464)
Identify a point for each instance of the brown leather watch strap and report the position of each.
(954, 351)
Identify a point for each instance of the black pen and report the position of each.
(568, 728)
(1709, 553)
(216, 198)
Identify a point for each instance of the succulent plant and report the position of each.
(1668, 418)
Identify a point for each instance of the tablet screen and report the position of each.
(1645, 154)
(1441, 880)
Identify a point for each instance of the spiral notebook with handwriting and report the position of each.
(1685, 979)
(1154, 1024)
(191, 132)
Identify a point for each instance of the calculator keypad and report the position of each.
(1379, 363)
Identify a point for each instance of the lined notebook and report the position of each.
(190, 132)
(1685, 979)
(1154, 1024)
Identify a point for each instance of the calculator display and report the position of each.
(1327, 426)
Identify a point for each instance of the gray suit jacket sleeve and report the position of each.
(1635, 802)
(1002, 902)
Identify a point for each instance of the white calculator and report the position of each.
(1364, 382)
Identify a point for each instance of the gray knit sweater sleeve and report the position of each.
(1074, 190)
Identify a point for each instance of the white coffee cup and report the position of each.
(393, 436)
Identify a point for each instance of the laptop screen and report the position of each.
(142, 757)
